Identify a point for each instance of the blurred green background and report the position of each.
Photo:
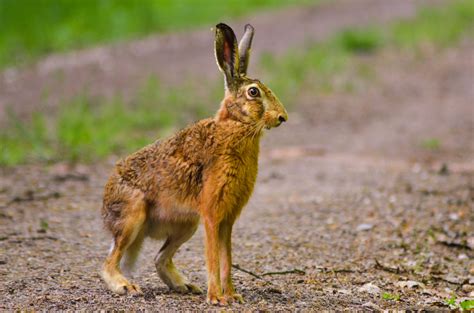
(86, 128)
(32, 28)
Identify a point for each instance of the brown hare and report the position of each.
(205, 172)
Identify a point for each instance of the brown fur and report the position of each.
(206, 172)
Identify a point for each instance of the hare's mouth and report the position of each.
(273, 126)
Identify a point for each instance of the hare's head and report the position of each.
(246, 100)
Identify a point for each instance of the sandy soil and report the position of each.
(347, 202)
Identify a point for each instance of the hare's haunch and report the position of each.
(205, 172)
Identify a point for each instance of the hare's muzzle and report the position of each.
(281, 119)
(277, 120)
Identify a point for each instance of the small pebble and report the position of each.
(454, 216)
(370, 288)
(410, 284)
(462, 256)
(364, 227)
(467, 288)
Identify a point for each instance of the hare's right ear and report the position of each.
(227, 53)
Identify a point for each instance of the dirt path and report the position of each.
(176, 58)
(332, 220)
(346, 195)
(408, 99)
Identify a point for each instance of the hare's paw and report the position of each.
(126, 288)
(217, 300)
(193, 289)
(225, 300)
(120, 285)
(132, 289)
(175, 280)
(235, 297)
(187, 288)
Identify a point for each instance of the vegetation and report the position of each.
(84, 130)
(467, 305)
(431, 144)
(390, 296)
(314, 68)
(31, 28)
(455, 304)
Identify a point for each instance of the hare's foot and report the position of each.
(234, 297)
(175, 280)
(187, 288)
(193, 288)
(217, 299)
(120, 285)
(225, 299)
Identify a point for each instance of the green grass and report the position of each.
(390, 296)
(32, 28)
(436, 26)
(87, 129)
(451, 302)
(467, 304)
(431, 144)
(314, 69)
(360, 41)
(456, 304)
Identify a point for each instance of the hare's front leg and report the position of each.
(214, 289)
(225, 237)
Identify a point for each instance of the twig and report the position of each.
(70, 176)
(292, 271)
(22, 239)
(380, 266)
(237, 267)
(454, 244)
(337, 270)
(341, 270)
(30, 196)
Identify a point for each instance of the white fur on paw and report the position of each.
(120, 285)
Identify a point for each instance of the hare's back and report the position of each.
(176, 163)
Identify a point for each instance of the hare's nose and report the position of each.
(281, 118)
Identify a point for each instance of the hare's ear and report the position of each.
(244, 49)
(227, 53)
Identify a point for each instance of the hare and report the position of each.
(206, 172)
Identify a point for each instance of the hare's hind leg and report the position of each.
(128, 235)
(131, 254)
(180, 233)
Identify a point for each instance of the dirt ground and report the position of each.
(348, 204)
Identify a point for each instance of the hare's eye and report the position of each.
(253, 92)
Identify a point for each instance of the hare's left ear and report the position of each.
(244, 49)
(227, 53)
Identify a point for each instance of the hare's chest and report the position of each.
(238, 180)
